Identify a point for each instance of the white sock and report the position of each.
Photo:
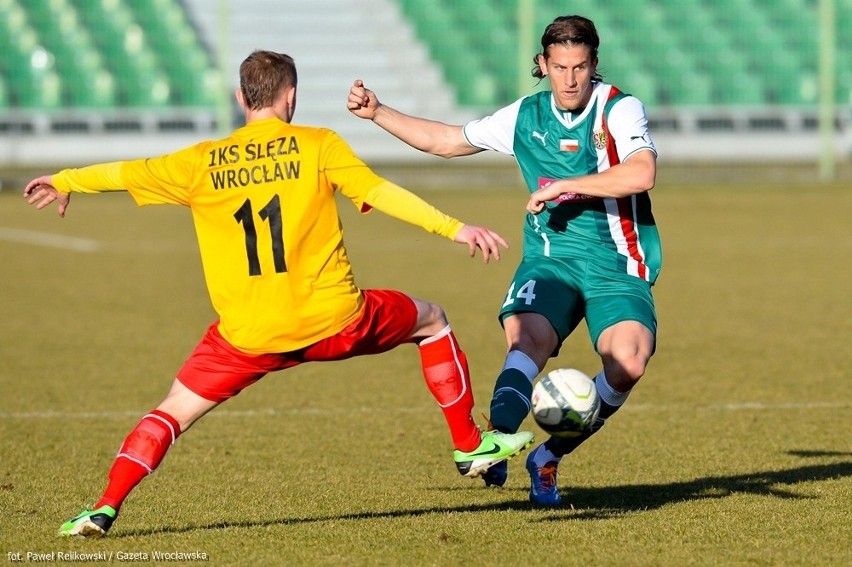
(607, 392)
(541, 456)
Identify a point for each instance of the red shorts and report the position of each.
(217, 371)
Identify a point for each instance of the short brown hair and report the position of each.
(263, 76)
(568, 30)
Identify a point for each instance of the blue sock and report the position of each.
(510, 403)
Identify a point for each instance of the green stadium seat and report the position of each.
(29, 66)
(4, 95)
(691, 89)
(40, 88)
(497, 45)
(690, 48)
(683, 52)
(642, 86)
(782, 72)
(636, 19)
(16, 33)
(547, 10)
(80, 68)
(447, 40)
(623, 71)
(843, 89)
(139, 80)
(42, 13)
(737, 88)
(96, 89)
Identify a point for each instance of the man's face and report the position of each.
(570, 70)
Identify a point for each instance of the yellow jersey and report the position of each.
(267, 224)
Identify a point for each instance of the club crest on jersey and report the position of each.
(569, 145)
(599, 139)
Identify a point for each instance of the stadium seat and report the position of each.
(174, 41)
(96, 89)
(151, 55)
(4, 95)
(80, 68)
(40, 86)
(843, 89)
(29, 66)
(493, 39)
(693, 89)
(668, 52)
(451, 47)
(140, 80)
(690, 48)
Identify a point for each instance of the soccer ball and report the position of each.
(565, 403)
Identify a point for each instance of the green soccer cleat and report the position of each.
(495, 447)
(89, 523)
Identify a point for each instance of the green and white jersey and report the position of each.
(550, 144)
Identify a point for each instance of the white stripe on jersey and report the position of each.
(543, 236)
(620, 239)
(616, 230)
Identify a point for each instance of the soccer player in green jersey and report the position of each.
(278, 274)
(591, 248)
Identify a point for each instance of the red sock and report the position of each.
(446, 372)
(140, 454)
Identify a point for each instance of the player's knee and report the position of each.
(625, 356)
(534, 336)
(436, 314)
(538, 348)
(431, 318)
(634, 367)
(624, 369)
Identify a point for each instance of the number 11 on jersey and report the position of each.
(271, 213)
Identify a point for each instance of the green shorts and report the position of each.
(566, 290)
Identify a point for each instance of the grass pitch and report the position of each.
(735, 449)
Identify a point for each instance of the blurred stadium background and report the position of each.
(729, 81)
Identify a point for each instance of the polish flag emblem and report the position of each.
(569, 145)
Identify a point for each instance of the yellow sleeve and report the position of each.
(168, 179)
(397, 202)
(355, 180)
(91, 179)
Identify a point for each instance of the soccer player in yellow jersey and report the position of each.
(278, 275)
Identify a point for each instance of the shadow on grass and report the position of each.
(585, 503)
(602, 503)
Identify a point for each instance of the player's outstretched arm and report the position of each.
(41, 193)
(430, 136)
(483, 238)
(404, 205)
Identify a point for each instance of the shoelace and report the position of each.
(547, 477)
(488, 426)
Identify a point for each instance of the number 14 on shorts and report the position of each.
(526, 293)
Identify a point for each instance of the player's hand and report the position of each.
(483, 238)
(539, 199)
(41, 192)
(535, 205)
(362, 101)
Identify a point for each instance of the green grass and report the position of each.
(735, 449)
